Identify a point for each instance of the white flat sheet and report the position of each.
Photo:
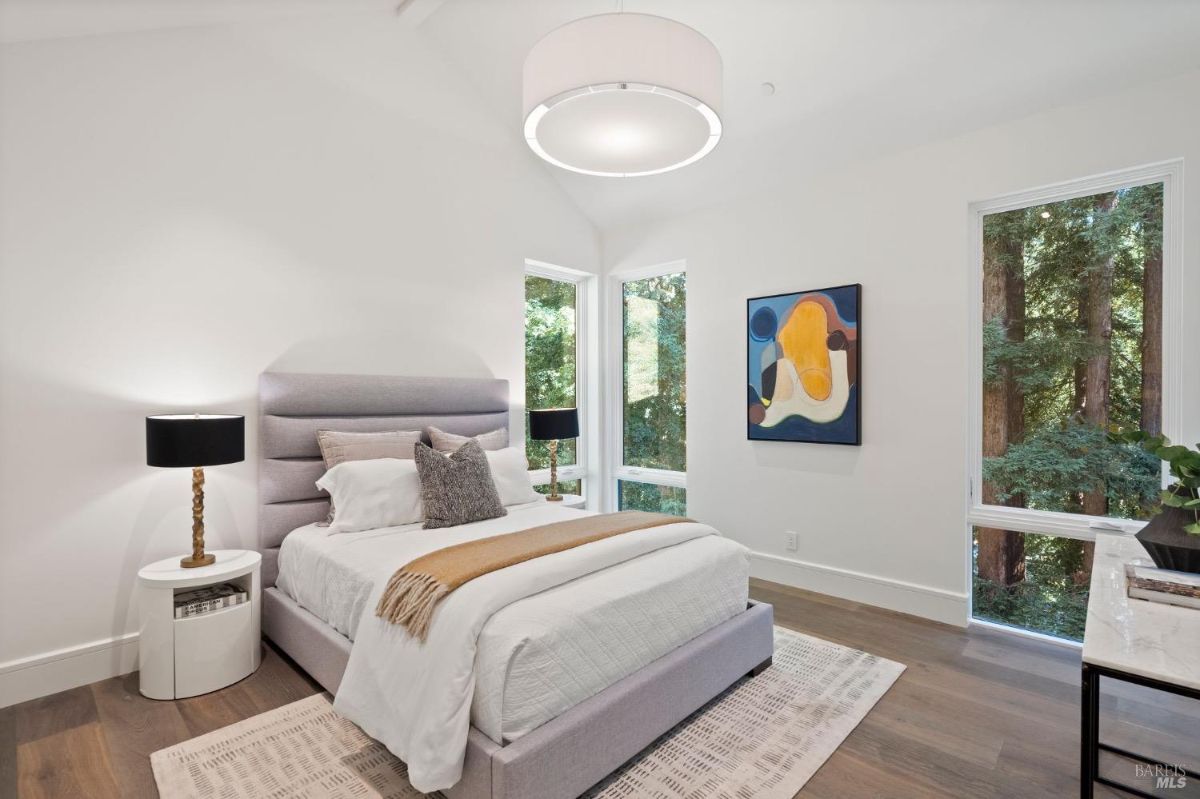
(541, 655)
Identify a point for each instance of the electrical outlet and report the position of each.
(791, 541)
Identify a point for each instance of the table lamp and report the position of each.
(195, 440)
(552, 425)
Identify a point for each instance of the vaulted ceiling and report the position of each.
(852, 78)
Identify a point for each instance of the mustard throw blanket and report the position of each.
(415, 589)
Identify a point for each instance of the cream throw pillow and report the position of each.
(449, 442)
(338, 447)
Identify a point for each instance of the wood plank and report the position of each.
(8, 751)
(278, 681)
(134, 727)
(846, 774)
(51, 715)
(71, 763)
(976, 714)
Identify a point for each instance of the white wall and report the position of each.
(884, 523)
(182, 210)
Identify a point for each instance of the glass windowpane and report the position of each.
(550, 359)
(1072, 332)
(568, 487)
(648, 497)
(654, 379)
(1049, 592)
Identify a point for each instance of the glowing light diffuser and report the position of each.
(622, 95)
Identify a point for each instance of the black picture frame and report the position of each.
(846, 429)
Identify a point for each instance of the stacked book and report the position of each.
(207, 599)
(1147, 581)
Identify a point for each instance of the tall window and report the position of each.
(652, 468)
(1071, 345)
(553, 358)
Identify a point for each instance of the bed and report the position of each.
(557, 706)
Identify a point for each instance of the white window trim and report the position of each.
(615, 375)
(587, 383)
(1069, 525)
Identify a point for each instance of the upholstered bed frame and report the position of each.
(563, 757)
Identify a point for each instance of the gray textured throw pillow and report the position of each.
(458, 488)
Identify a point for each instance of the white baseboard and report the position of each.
(51, 672)
(917, 600)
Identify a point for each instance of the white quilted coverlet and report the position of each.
(543, 654)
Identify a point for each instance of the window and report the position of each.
(1069, 326)
(651, 436)
(555, 373)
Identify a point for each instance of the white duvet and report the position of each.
(513, 649)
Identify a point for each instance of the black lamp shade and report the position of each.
(554, 424)
(195, 440)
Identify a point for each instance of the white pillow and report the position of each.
(368, 495)
(510, 473)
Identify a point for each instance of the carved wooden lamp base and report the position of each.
(198, 557)
(554, 496)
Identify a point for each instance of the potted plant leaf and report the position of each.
(1172, 537)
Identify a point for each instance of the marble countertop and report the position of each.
(1148, 639)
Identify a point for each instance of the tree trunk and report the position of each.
(1014, 313)
(1098, 368)
(1152, 288)
(1080, 376)
(1001, 554)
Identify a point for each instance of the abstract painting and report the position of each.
(803, 366)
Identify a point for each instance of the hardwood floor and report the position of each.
(976, 714)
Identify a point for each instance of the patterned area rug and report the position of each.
(764, 737)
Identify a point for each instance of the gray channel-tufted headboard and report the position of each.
(293, 407)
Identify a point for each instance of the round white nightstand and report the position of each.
(572, 501)
(201, 653)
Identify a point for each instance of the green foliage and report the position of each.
(1184, 464)
(550, 359)
(569, 487)
(1057, 247)
(655, 379)
(1054, 466)
(644, 496)
(1049, 600)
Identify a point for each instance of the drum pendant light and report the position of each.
(623, 95)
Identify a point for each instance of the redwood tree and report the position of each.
(1150, 238)
(1001, 553)
(1098, 326)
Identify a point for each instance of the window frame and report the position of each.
(617, 471)
(1071, 525)
(585, 468)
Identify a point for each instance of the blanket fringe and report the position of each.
(409, 600)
